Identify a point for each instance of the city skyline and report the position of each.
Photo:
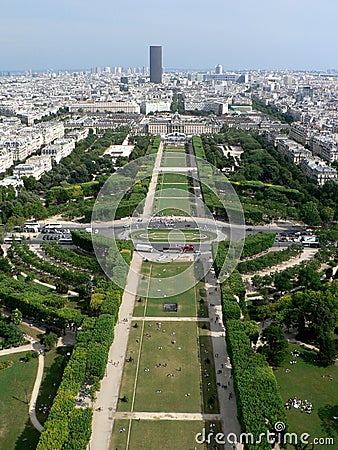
(242, 36)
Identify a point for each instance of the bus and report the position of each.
(49, 226)
(9, 240)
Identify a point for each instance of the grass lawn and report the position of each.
(174, 148)
(164, 434)
(16, 384)
(169, 349)
(168, 191)
(176, 370)
(174, 160)
(172, 206)
(166, 186)
(173, 178)
(188, 301)
(55, 362)
(310, 382)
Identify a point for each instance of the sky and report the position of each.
(239, 34)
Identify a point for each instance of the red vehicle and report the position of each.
(180, 248)
(189, 248)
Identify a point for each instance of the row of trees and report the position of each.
(270, 259)
(271, 111)
(70, 257)
(259, 402)
(253, 244)
(64, 420)
(31, 260)
(48, 308)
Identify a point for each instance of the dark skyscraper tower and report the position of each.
(155, 64)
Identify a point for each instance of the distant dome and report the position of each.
(176, 116)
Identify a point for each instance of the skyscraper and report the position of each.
(219, 69)
(155, 64)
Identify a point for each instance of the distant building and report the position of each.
(292, 150)
(115, 107)
(155, 106)
(187, 125)
(35, 167)
(219, 69)
(319, 170)
(6, 159)
(156, 64)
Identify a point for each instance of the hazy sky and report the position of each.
(240, 34)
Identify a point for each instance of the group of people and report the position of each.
(302, 405)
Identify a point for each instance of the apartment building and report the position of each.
(292, 150)
(51, 131)
(315, 168)
(6, 159)
(35, 166)
(325, 146)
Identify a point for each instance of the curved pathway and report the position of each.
(35, 393)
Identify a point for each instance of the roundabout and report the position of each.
(177, 235)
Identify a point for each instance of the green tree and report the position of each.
(327, 350)
(49, 341)
(16, 316)
(327, 214)
(309, 214)
(61, 288)
(282, 281)
(276, 345)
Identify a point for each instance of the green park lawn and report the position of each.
(181, 186)
(168, 191)
(173, 178)
(166, 349)
(172, 206)
(308, 381)
(150, 302)
(164, 434)
(174, 160)
(174, 148)
(16, 384)
(176, 371)
(165, 186)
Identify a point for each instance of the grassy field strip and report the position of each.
(138, 364)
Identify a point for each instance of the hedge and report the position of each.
(259, 402)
